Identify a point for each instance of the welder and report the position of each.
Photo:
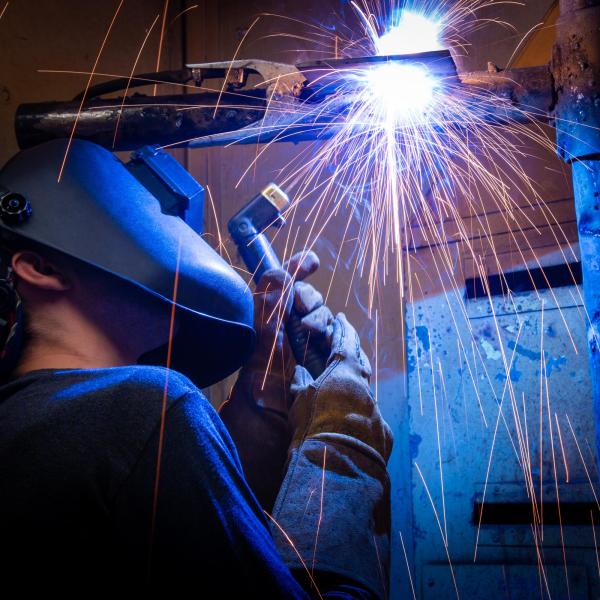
(117, 474)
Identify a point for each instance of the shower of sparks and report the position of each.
(409, 144)
(412, 153)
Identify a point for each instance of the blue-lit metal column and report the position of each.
(576, 70)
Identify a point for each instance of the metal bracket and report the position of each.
(279, 79)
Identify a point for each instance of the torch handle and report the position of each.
(258, 255)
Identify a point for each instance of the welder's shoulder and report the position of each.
(153, 381)
(147, 387)
(134, 399)
(126, 394)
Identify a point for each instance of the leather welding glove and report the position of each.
(334, 502)
(256, 410)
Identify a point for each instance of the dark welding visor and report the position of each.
(100, 214)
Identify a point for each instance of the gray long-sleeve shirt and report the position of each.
(78, 461)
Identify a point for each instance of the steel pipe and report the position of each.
(576, 70)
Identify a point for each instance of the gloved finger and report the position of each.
(301, 380)
(345, 347)
(319, 322)
(302, 264)
(272, 280)
(272, 300)
(306, 298)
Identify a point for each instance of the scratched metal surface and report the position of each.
(462, 408)
(511, 582)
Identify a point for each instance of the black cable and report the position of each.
(180, 76)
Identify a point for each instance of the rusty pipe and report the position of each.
(576, 71)
(142, 120)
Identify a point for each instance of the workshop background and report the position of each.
(444, 412)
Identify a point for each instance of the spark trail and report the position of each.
(412, 154)
(409, 145)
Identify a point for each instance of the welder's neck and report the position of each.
(84, 352)
(74, 340)
(35, 359)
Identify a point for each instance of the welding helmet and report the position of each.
(100, 214)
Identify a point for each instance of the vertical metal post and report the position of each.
(576, 70)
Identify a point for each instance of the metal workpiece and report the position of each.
(278, 79)
(138, 120)
(286, 120)
(261, 102)
(287, 103)
(529, 90)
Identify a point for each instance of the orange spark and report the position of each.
(164, 405)
(183, 12)
(232, 60)
(160, 41)
(410, 579)
(87, 87)
(133, 68)
(314, 558)
(293, 546)
(444, 540)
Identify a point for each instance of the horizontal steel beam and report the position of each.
(241, 117)
(139, 120)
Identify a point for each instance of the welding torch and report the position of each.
(247, 230)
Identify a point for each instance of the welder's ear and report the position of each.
(39, 272)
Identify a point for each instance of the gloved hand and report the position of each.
(270, 368)
(340, 401)
(334, 501)
(256, 410)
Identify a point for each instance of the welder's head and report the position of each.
(99, 232)
(63, 300)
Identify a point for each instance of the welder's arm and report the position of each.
(334, 502)
(256, 413)
(193, 528)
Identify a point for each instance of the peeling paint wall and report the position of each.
(480, 434)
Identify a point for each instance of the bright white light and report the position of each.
(413, 33)
(403, 91)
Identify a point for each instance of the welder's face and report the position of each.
(138, 321)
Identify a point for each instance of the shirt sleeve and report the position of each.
(190, 521)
